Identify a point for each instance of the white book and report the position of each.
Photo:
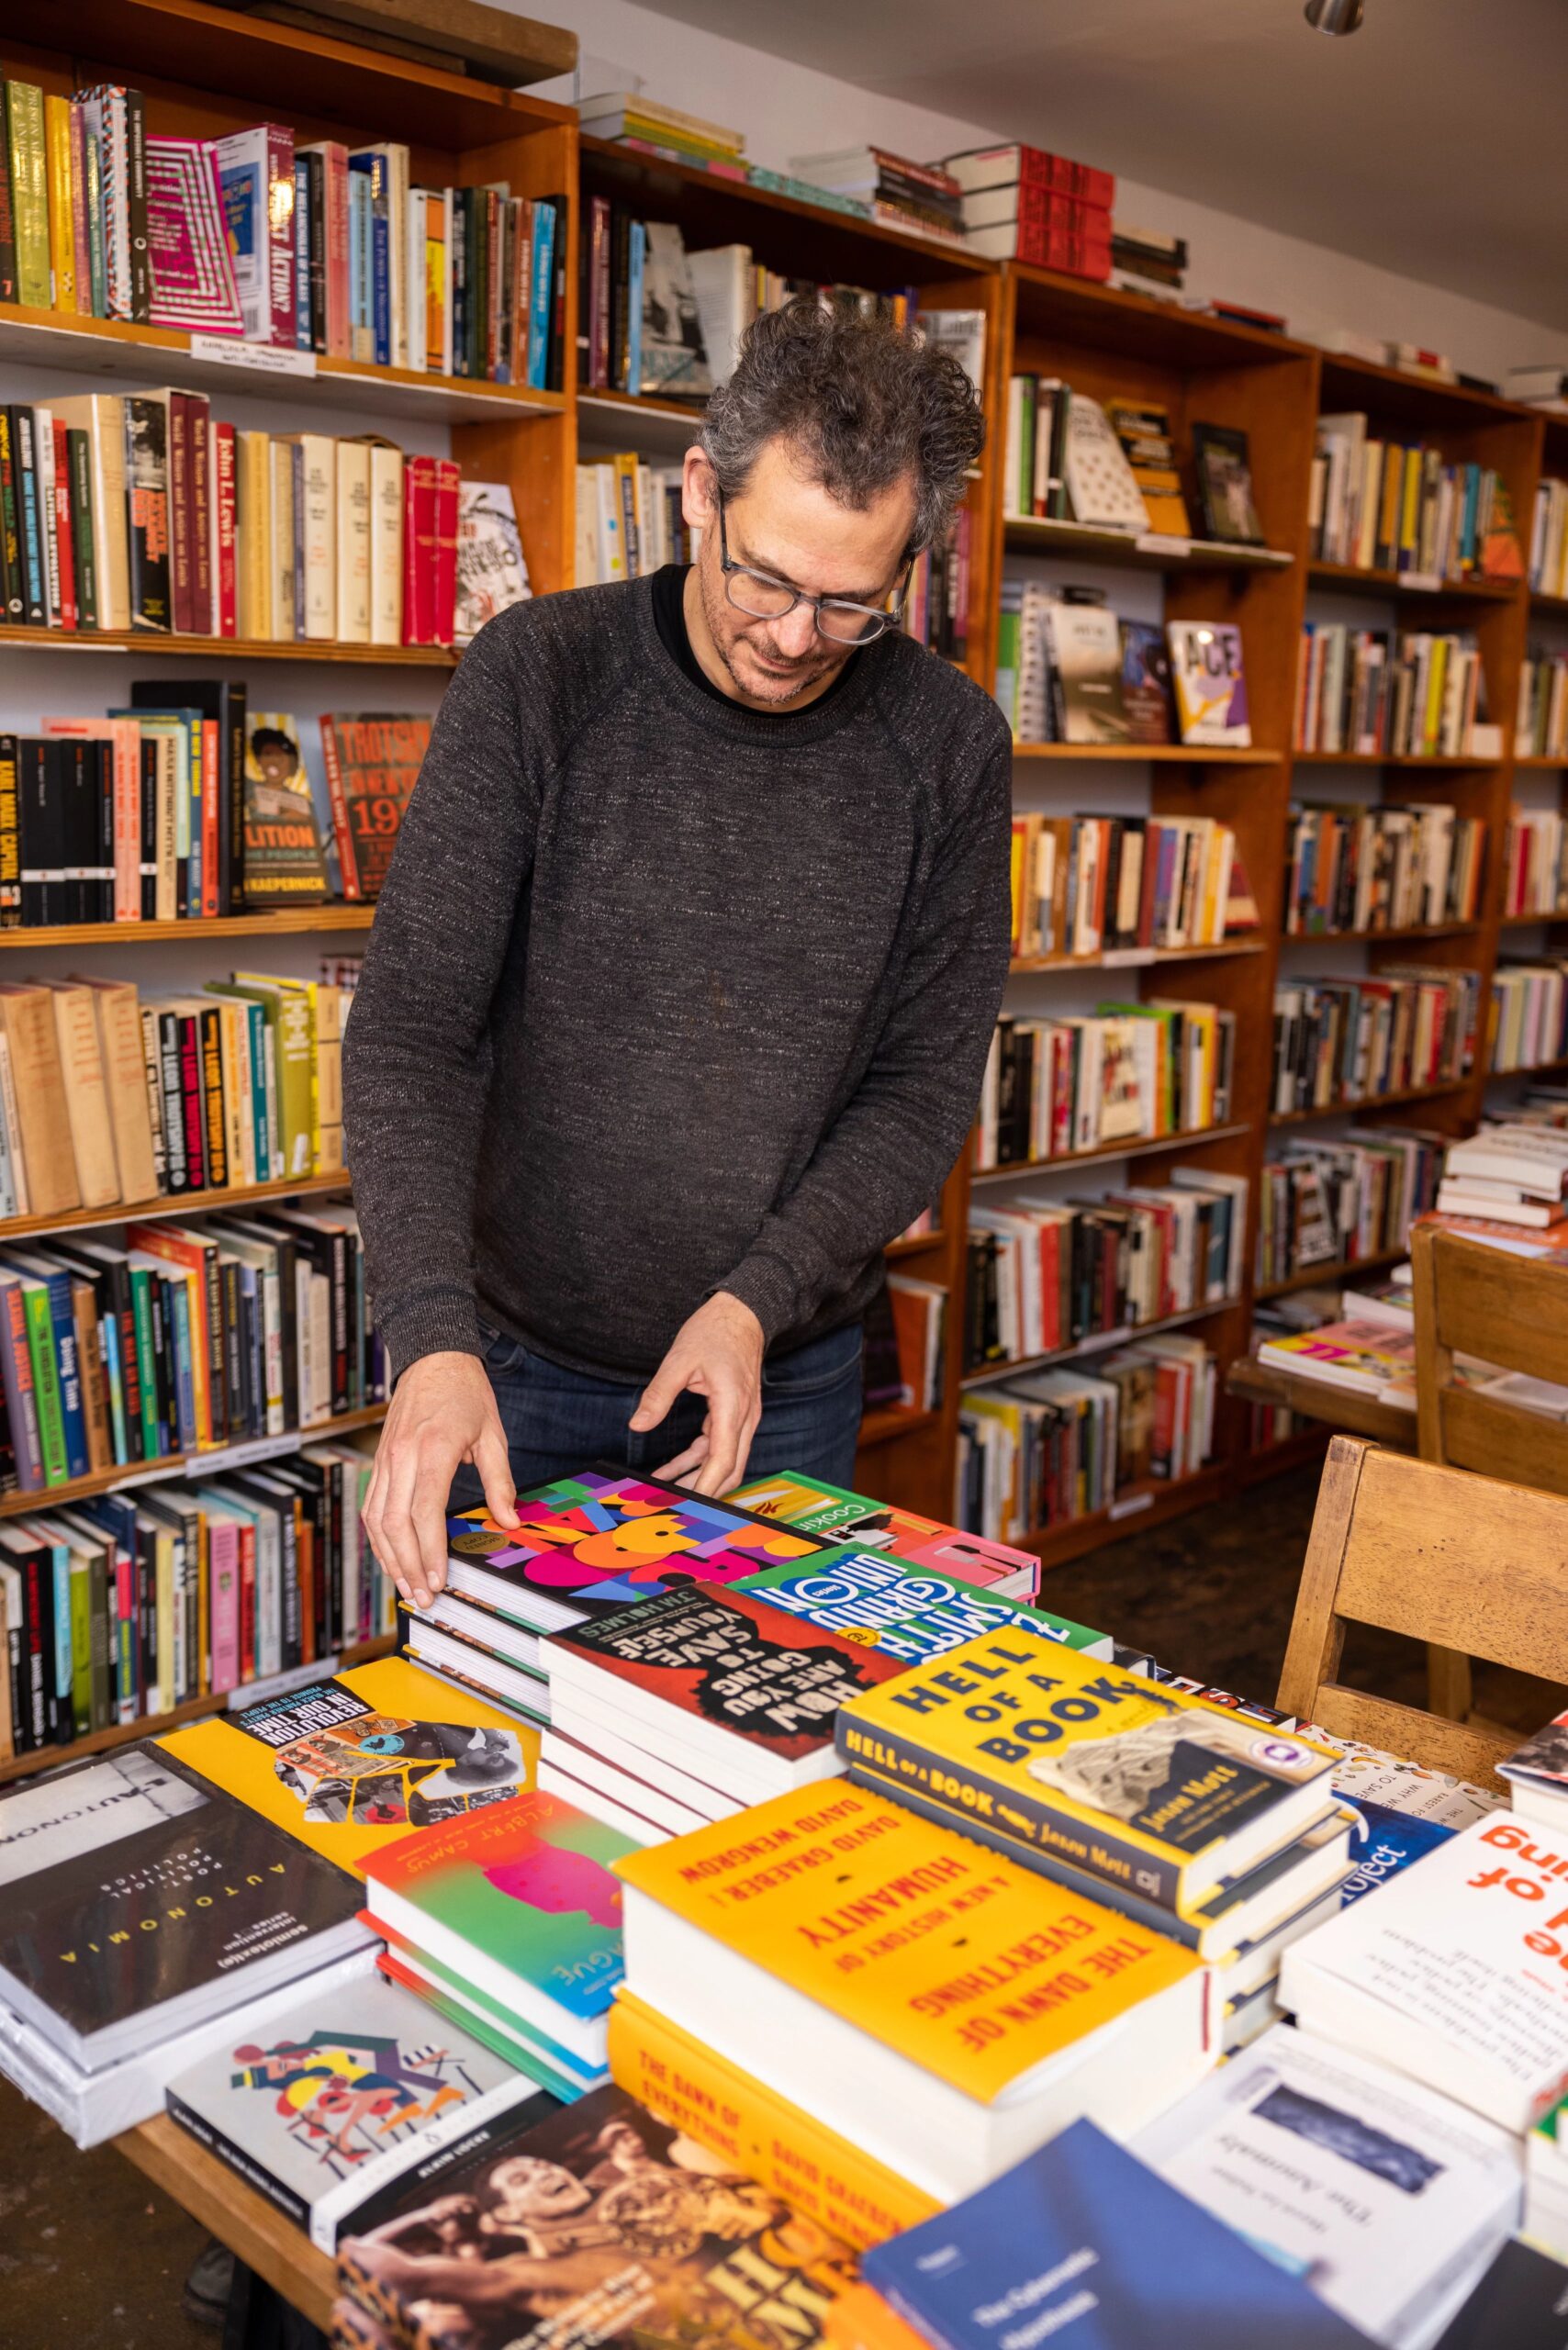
(318, 519)
(385, 544)
(723, 281)
(354, 542)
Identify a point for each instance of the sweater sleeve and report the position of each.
(887, 1156)
(415, 1051)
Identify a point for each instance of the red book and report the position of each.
(225, 583)
(181, 615)
(68, 616)
(190, 1100)
(1043, 212)
(280, 232)
(373, 763)
(200, 416)
(445, 616)
(419, 551)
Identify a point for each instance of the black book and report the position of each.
(1224, 470)
(10, 545)
(459, 262)
(1521, 2303)
(555, 346)
(316, 249)
(149, 856)
(620, 297)
(147, 510)
(226, 703)
(30, 517)
(42, 831)
(136, 206)
(140, 1901)
(37, 1712)
(10, 836)
(307, 1480)
(84, 546)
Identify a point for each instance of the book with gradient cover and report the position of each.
(328, 2099)
(591, 1544)
(546, 2062)
(874, 1596)
(598, 2225)
(814, 1506)
(351, 1764)
(518, 1898)
(1134, 1781)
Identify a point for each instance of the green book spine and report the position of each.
(80, 1646)
(79, 459)
(46, 1383)
(29, 193)
(7, 211)
(146, 1360)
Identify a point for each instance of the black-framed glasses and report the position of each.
(763, 597)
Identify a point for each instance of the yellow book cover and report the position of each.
(349, 1765)
(1410, 508)
(1150, 1790)
(62, 201)
(951, 1954)
(687, 2083)
(30, 192)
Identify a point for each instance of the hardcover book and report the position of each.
(1142, 1786)
(1100, 481)
(373, 763)
(935, 2004)
(1095, 2252)
(137, 1900)
(350, 1766)
(598, 2225)
(1210, 682)
(673, 360)
(495, 2023)
(283, 862)
(519, 1900)
(492, 571)
(326, 2100)
(1146, 682)
(192, 270)
(816, 1507)
(589, 1544)
(873, 1596)
(1224, 469)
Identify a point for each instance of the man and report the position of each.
(681, 985)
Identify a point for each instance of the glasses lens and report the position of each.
(851, 623)
(765, 600)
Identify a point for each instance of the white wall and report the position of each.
(787, 109)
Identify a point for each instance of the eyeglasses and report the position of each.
(763, 597)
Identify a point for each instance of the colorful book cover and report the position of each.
(1145, 681)
(1210, 682)
(372, 762)
(816, 1507)
(350, 1766)
(598, 2225)
(1382, 1843)
(527, 2047)
(192, 270)
(1086, 2246)
(492, 570)
(729, 1661)
(328, 2099)
(906, 1612)
(1143, 1785)
(283, 862)
(591, 1544)
(521, 1890)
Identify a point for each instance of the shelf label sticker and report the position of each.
(1427, 582)
(1127, 958)
(258, 1447)
(1131, 1506)
(260, 358)
(1161, 542)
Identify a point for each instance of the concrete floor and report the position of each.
(93, 2258)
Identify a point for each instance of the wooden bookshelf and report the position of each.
(1351, 579)
(1145, 550)
(1136, 958)
(1097, 1342)
(1185, 755)
(231, 650)
(288, 921)
(177, 1205)
(213, 1460)
(1133, 1147)
(1398, 1100)
(1332, 1276)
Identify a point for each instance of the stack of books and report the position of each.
(1510, 1174)
(1528, 1014)
(1387, 506)
(1349, 1040)
(1361, 868)
(1426, 699)
(1337, 1202)
(1130, 1071)
(921, 199)
(1108, 885)
(632, 119)
(1367, 1358)
(1148, 261)
(1540, 729)
(1025, 204)
(628, 521)
(830, 1511)
(1535, 873)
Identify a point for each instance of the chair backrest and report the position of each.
(1511, 1310)
(1463, 1562)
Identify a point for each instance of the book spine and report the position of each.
(244, 2165)
(225, 570)
(30, 193)
(11, 581)
(10, 840)
(7, 208)
(280, 232)
(62, 208)
(48, 515)
(180, 585)
(46, 1384)
(147, 470)
(342, 826)
(136, 207)
(199, 484)
(68, 609)
(93, 209)
(29, 537)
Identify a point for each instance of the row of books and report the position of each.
(1425, 698)
(143, 510)
(180, 1338)
(1380, 867)
(1529, 1015)
(321, 248)
(1540, 729)
(1380, 505)
(1148, 261)
(1116, 467)
(924, 199)
(628, 521)
(125, 1605)
(1045, 1275)
(1039, 1451)
(1344, 1041)
(1512, 1172)
(1337, 1202)
(1108, 885)
(936, 609)
(1022, 203)
(1534, 872)
(1549, 539)
(111, 1098)
(1133, 1071)
(1069, 671)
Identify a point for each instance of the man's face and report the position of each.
(789, 526)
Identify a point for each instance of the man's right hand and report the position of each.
(442, 1414)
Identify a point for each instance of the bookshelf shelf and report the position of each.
(1331, 1276)
(210, 1464)
(228, 649)
(1529, 1068)
(1411, 763)
(1097, 1341)
(190, 1709)
(1380, 937)
(1133, 958)
(1352, 579)
(897, 1420)
(1375, 1102)
(1189, 755)
(285, 922)
(1134, 1146)
(661, 428)
(174, 1204)
(1549, 607)
(1032, 534)
(1134, 1512)
(1531, 922)
(1543, 764)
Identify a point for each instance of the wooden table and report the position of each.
(236, 2215)
(1319, 1399)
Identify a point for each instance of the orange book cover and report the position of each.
(861, 2319)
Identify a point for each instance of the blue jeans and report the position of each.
(557, 1421)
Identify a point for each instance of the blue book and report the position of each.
(541, 281)
(184, 1373)
(637, 244)
(381, 288)
(1084, 2246)
(1382, 1843)
(64, 1654)
(301, 255)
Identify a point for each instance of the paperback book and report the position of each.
(373, 761)
(1210, 683)
(871, 1596)
(838, 1516)
(282, 861)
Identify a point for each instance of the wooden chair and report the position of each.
(1503, 1309)
(1463, 1562)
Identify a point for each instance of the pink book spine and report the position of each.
(127, 1701)
(280, 232)
(128, 819)
(225, 595)
(335, 186)
(223, 1603)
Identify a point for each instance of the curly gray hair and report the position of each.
(865, 401)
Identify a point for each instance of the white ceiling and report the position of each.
(1434, 142)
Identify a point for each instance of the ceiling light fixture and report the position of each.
(1334, 18)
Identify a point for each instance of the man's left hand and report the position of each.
(717, 1353)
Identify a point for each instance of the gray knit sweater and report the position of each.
(666, 996)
